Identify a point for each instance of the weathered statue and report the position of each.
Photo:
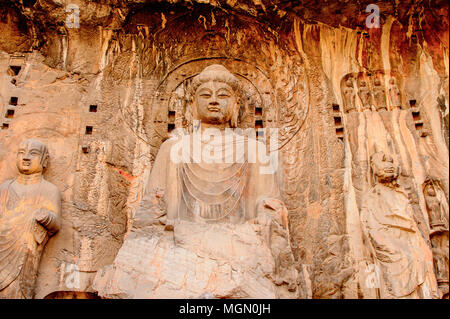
(211, 189)
(30, 209)
(437, 207)
(401, 255)
(349, 96)
(379, 95)
(394, 94)
(364, 95)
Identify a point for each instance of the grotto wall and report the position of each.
(105, 95)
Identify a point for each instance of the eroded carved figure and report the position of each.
(364, 95)
(349, 96)
(399, 251)
(220, 207)
(394, 94)
(379, 95)
(30, 209)
(437, 207)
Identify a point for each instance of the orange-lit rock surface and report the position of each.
(106, 95)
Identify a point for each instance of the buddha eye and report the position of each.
(223, 96)
(205, 94)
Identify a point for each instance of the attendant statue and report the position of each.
(30, 209)
(364, 95)
(437, 207)
(402, 257)
(379, 95)
(349, 96)
(394, 94)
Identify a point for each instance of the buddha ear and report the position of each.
(235, 115)
(44, 161)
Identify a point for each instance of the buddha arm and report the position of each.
(50, 215)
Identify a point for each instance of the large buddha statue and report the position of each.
(214, 192)
(403, 260)
(214, 174)
(30, 209)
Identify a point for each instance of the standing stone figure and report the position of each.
(437, 207)
(379, 95)
(402, 257)
(394, 94)
(364, 95)
(30, 209)
(349, 96)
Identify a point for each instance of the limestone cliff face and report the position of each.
(104, 97)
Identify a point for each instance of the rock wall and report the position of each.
(104, 97)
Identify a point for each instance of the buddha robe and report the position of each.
(227, 191)
(22, 239)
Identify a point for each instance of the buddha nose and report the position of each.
(213, 102)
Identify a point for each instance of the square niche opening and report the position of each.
(89, 130)
(93, 108)
(14, 100)
(15, 69)
(259, 124)
(9, 114)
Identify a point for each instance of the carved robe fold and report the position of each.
(403, 258)
(22, 239)
(212, 192)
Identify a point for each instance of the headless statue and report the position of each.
(30, 209)
(403, 258)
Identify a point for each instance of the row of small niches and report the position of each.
(10, 111)
(89, 130)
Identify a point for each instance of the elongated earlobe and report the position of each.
(235, 116)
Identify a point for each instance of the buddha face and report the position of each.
(214, 102)
(30, 157)
(383, 167)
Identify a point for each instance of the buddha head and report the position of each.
(32, 157)
(383, 167)
(214, 97)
